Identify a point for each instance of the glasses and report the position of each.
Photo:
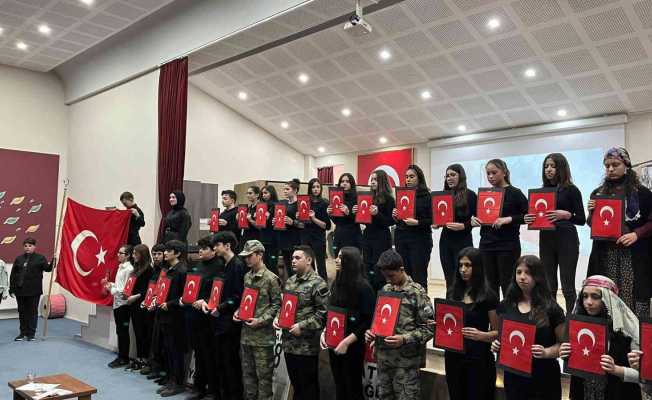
(122, 252)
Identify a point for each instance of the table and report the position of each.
(78, 388)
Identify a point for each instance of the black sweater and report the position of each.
(569, 198)
(382, 221)
(231, 218)
(233, 274)
(347, 221)
(311, 232)
(174, 313)
(291, 236)
(423, 214)
(462, 215)
(359, 316)
(140, 287)
(135, 223)
(177, 225)
(506, 237)
(26, 277)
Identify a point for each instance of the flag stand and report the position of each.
(48, 304)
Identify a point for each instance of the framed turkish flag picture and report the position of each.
(608, 217)
(261, 215)
(214, 222)
(365, 201)
(645, 337)
(303, 207)
(405, 198)
(163, 289)
(449, 321)
(388, 307)
(243, 212)
(540, 201)
(129, 285)
(490, 205)
(191, 288)
(216, 294)
(588, 340)
(336, 199)
(288, 312)
(280, 211)
(150, 294)
(335, 326)
(516, 340)
(247, 308)
(443, 209)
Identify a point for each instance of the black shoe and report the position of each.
(198, 396)
(19, 338)
(165, 387)
(139, 365)
(146, 370)
(118, 362)
(31, 339)
(131, 365)
(154, 375)
(173, 391)
(162, 380)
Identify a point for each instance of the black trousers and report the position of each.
(560, 249)
(121, 316)
(347, 372)
(139, 319)
(156, 349)
(228, 373)
(28, 314)
(175, 349)
(371, 251)
(416, 257)
(499, 267)
(304, 376)
(319, 247)
(448, 251)
(470, 378)
(197, 330)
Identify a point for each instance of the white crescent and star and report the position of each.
(382, 311)
(285, 307)
(519, 335)
(445, 206)
(610, 210)
(191, 286)
(391, 172)
(247, 300)
(76, 243)
(586, 332)
(451, 317)
(489, 200)
(334, 321)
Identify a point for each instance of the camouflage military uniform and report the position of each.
(398, 368)
(257, 344)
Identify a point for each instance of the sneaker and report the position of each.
(138, 366)
(173, 391)
(146, 370)
(31, 339)
(118, 362)
(19, 338)
(131, 365)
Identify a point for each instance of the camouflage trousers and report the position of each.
(257, 371)
(398, 383)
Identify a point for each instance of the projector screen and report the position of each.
(524, 157)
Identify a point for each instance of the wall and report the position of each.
(638, 137)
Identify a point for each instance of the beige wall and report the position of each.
(638, 137)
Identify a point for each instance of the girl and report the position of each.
(413, 236)
(353, 293)
(268, 236)
(314, 232)
(376, 236)
(291, 236)
(177, 222)
(472, 375)
(599, 298)
(627, 260)
(456, 235)
(529, 297)
(347, 232)
(139, 316)
(120, 306)
(500, 243)
(251, 233)
(561, 247)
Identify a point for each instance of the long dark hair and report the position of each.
(129, 250)
(295, 184)
(351, 181)
(145, 259)
(479, 289)
(344, 291)
(541, 298)
(273, 196)
(321, 188)
(459, 192)
(501, 165)
(256, 191)
(562, 171)
(631, 183)
(421, 177)
(384, 190)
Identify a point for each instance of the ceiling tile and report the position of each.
(557, 37)
(630, 78)
(414, 117)
(604, 105)
(643, 11)
(79, 38)
(445, 112)
(551, 112)
(623, 52)
(472, 58)
(240, 74)
(583, 5)
(370, 106)
(325, 95)
(574, 62)
(457, 87)
(491, 80)
(428, 11)
(518, 72)
(278, 82)
(475, 106)
(344, 129)
(390, 122)
(365, 125)
(258, 65)
(509, 100)
(284, 106)
(608, 24)
(590, 85)
(406, 75)
(93, 30)
(375, 82)
(264, 110)
(67, 46)
(451, 34)
(329, 42)
(17, 9)
(304, 50)
(279, 57)
(512, 49)
(491, 122)
(548, 93)
(479, 22)
(392, 20)
(109, 21)
(533, 12)
(438, 67)
(349, 89)
(125, 11)
(353, 63)
(327, 70)
(303, 100)
(396, 100)
(524, 117)
(416, 44)
(466, 5)
(324, 116)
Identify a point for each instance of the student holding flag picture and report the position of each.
(139, 316)
(314, 232)
(291, 235)
(253, 198)
(268, 236)
(347, 231)
(121, 306)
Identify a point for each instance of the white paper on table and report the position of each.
(53, 392)
(38, 387)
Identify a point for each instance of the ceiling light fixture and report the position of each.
(530, 73)
(382, 140)
(44, 29)
(385, 55)
(21, 46)
(1, 30)
(88, 2)
(562, 112)
(303, 78)
(284, 124)
(243, 96)
(321, 149)
(493, 23)
(426, 95)
(346, 112)
(461, 128)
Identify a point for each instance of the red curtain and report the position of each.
(172, 110)
(325, 175)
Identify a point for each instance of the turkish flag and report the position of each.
(150, 294)
(335, 326)
(191, 288)
(248, 303)
(214, 224)
(163, 289)
(90, 240)
(243, 211)
(303, 207)
(369, 355)
(588, 340)
(645, 336)
(365, 201)
(288, 312)
(388, 307)
(261, 215)
(405, 198)
(608, 217)
(336, 199)
(516, 340)
(394, 163)
(490, 205)
(443, 209)
(280, 211)
(540, 201)
(449, 321)
(216, 294)
(129, 285)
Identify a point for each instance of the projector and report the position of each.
(357, 25)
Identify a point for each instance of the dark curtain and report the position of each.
(172, 110)
(325, 175)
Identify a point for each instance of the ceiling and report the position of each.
(590, 57)
(75, 27)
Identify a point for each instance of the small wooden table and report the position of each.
(78, 388)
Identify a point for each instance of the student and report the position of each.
(157, 363)
(251, 233)
(376, 237)
(399, 357)
(599, 298)
(301, 342)
(347, 232)
(314, 231)
(143, 273)
(229, 215)
(120, 306)
(258, 336)
(26, 284)
(177, 222)
(269, 236)
(472, 375)
(561, 247)
(456, 235)
(137, 220)
(627, 260)
(500, 243)
(291, 236)
(353, 293)
(413, 236)
(529, 297)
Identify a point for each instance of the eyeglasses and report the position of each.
(122, 252)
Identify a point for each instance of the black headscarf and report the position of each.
(181, 200)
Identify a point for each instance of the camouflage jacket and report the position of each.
(267, 306)
(311, 313)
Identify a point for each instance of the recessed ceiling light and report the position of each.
(303, 78)
(384, 54)
(562, 112)
(284, 124)
(21, 46)
(88, 2)
(426, 95)
(461, 128)
(382, 139)
(493, 23)
(44, 29)
(243, 96)
(1, 30)
(321, 149)
(530, 73)
(346, 112)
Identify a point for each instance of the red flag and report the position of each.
(216, 294)
(214, 224)
(608, 217)
(516, 340)
(540, 202)
(261, 215)
(243, 211)
(288, 311)
(129, 285)
(588, 340)
(645, 335)
(388, 307)
(490, 204)
(191, 288)
(335, 326)
(449, 321)
(248, 303)
(443, 209)
(280, 211)
(405, 202)
(369, 353)
(303, 207)
(336, 199)
(150, 294)
(394, 163)
(365, 201)
(163, 289)
(90, 240)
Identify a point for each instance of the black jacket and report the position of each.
(233, 274)
(135, 223)
(177, 225)
(27, 274)
(231, 218)
(174, 313)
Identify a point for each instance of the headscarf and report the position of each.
(181, 199)
(632, 207)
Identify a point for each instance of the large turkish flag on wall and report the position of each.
(393, 162)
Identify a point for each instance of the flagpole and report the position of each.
(46, 314)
